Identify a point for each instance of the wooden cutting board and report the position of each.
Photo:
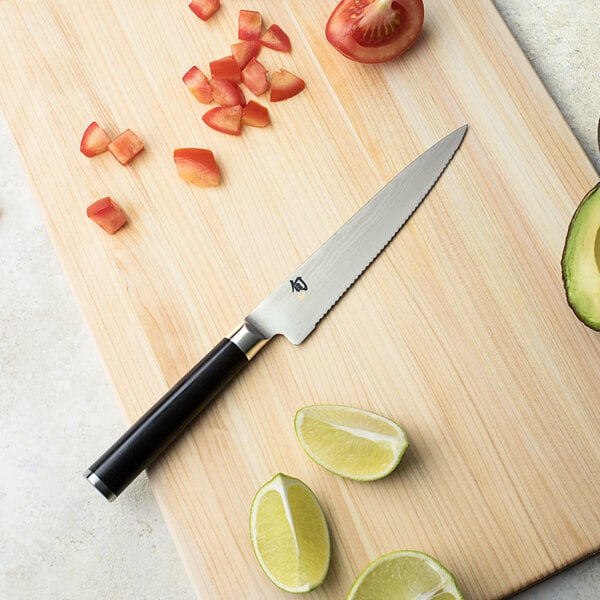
(459, 331)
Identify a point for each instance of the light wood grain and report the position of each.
(459, 331)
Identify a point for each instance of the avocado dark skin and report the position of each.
(581, 260)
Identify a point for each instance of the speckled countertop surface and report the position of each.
(58, 539)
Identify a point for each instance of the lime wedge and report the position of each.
(350, 442)
(289, 534)
(405, 575)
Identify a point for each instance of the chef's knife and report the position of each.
(293, 309)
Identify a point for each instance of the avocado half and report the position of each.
(581, 260)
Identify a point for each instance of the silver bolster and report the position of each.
(248, 340)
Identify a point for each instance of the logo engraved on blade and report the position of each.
(298, 285)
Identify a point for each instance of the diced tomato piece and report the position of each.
(284, 85)
(226, 68)
(94, 141)
(249, 25)
(126, 146)
(276, 39)
(244, 51)
(205, 9)
(254, 77)
(197, 82)
(108, 214)
(226, 119)
(255, 114)
(197, 166)
(226, 93)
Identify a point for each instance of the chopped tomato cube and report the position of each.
(226, 68)
(249, 25)
(226, 119)
(197, 166)
(254, 77)
(107, 213)
(255, 114)
(276, 39)
(94, 141)
(226, 93)
(204, 9)
(126, 146)
(244, 51)
(284, 85)
(197, 82)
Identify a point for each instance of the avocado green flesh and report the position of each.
(581, 260)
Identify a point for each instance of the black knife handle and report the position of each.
(144, 441)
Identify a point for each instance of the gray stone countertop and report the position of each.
(57, 539)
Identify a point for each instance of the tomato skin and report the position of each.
(197, 166)
(226, 119)
(204, 9)
(284, 85)
(198, 84)
(255, 114)
(276, 39)
(374, 31)
(108, 214)
(226, 68)
(94, 140)
(254, 77)
(226, 93)
(126, 146)
(244, 51)
(249, 25)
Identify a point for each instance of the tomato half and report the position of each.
(374, 31)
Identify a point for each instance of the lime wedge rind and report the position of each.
(373, 435)
(281, 567)
(368, 585)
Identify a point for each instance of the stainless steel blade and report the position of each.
(295, 307)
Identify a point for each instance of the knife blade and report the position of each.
(293, 310)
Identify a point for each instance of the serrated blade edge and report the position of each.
(295, 307)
